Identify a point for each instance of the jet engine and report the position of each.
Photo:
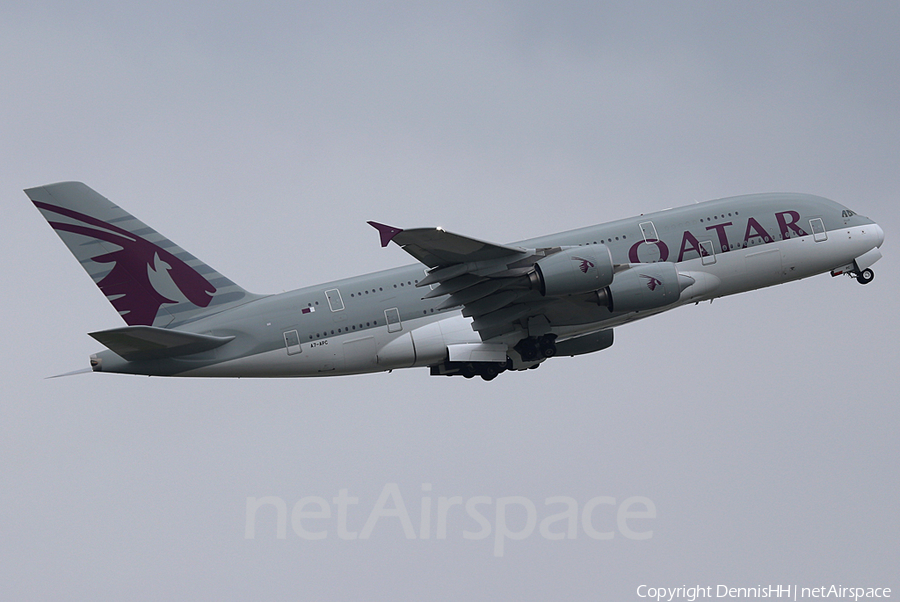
(573, 271)
(644, 286)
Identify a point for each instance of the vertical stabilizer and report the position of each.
(150, 280)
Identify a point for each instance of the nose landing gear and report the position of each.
(865, 276)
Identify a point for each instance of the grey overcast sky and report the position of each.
(262, 136)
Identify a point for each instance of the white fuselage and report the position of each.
(424, 339)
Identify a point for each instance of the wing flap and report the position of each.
(473, 293)
(441, 275)
(501, 318)
(492, 303)
(454, 285)
(134, 343)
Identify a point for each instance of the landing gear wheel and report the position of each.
(866, 276)
(534, 348)
(490, 372)
(548, 345)
(528, 349)
(468, 370)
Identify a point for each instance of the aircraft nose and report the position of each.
(878, 233)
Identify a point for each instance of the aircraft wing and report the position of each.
(489, 280)
(435, 247)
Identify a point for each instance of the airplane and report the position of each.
(469, 307)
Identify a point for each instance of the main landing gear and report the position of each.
(486, 370)
(865, 276)
(534, 348)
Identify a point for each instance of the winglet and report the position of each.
(387, 232)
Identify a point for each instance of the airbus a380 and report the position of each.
(469, 307)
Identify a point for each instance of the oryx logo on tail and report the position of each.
(140, 269)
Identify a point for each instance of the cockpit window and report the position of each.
(848, 213)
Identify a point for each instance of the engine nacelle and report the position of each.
(644, 286)
(573, 271)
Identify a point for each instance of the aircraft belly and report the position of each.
(397, 353)
(274, 364)
(370, 350)
(359, 354)
(763, 267)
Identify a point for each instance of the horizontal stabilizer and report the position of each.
(135, 343)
